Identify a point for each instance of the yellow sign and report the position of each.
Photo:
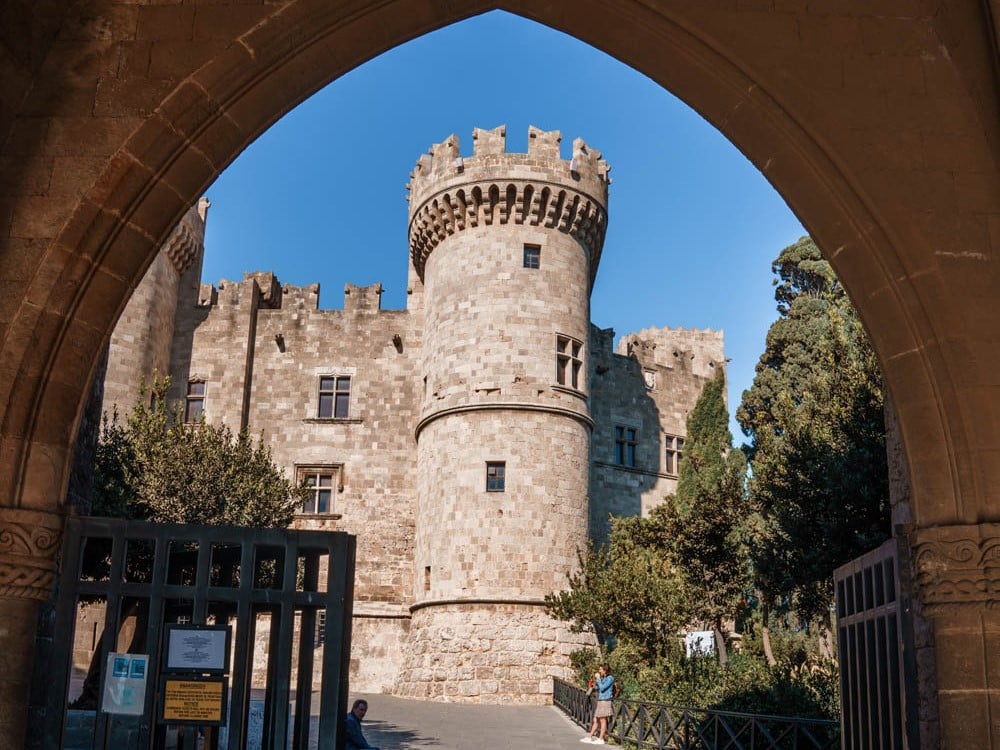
(190, 700)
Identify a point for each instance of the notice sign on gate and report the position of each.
(197, 648)
(187, 700)
(125, 684)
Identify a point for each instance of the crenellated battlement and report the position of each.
(695, 350)
(188, 238)
(450, 193)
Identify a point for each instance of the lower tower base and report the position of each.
(486, 653)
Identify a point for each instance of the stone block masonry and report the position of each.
(474, 441)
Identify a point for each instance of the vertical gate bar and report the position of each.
(855, 692)
(203, 563)
(862, 675)
(905, 595)
(64, 634)
(307, 646)
(339, 599)
(112, 625)
(845, 713)
(269, 739)
(246, 615)
(893, 668)
(161, 552)
(285, 628)
(885, 718)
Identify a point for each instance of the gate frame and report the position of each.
(873, 596)
(282, 602)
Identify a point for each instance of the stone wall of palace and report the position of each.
(450, 576)
(648, 385)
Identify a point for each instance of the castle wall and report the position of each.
(506, 245)
(649, 385)
(400, 411)
(262, 349)
(142, 339)
(492, 324)
(518, 543)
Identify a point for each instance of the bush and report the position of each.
(747, 685)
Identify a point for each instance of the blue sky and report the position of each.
(693, 226)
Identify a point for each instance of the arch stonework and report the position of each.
(879, 123)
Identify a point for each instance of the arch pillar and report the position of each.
(29, 545)
(957, 573)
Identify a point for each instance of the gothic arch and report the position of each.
(880, 129)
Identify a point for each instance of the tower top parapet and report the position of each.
(449, 192)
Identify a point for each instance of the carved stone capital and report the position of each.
(957, 567)
(29, 548)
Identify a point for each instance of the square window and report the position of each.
(334, 397)
(496, 475)
(626, 440)
(194, 406)
(319, 483)
(569, 362)
(532, 256)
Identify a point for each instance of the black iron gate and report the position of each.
(875, 649)
(287, 593)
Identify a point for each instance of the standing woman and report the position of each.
(605, 683)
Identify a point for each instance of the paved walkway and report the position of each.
(401, 724)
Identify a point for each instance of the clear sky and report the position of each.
(693, 226)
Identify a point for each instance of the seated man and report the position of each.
(355, 738)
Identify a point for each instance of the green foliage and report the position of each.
(686, 562)
(627, 589)
(156, 468)
(814, 416)
(704, 523)
(818, 497)
(807, 689)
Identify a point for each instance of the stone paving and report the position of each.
(402, 724)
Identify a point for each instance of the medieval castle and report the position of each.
(474, 441)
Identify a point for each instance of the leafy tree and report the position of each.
(686, 562)
(814, 416)
(157, 468)
(704, 523)
(627, 590)
(154, 467)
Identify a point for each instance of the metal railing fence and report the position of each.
(654, 726)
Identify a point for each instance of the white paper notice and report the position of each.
(196, 649)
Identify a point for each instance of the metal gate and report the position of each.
(288, 591)
(875, 648)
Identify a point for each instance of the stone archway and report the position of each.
(879, 128)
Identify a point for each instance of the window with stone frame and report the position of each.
(626, 442)
(334, 397)
(532, 256)
(569, 362)
(673, 454)
(320, 483)
(496, 476)
(194, 404)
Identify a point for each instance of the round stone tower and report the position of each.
(507, 246)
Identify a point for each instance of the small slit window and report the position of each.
(673, 454)
(626, 440)
(194, 406)
(532, 256)
(496, 476)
